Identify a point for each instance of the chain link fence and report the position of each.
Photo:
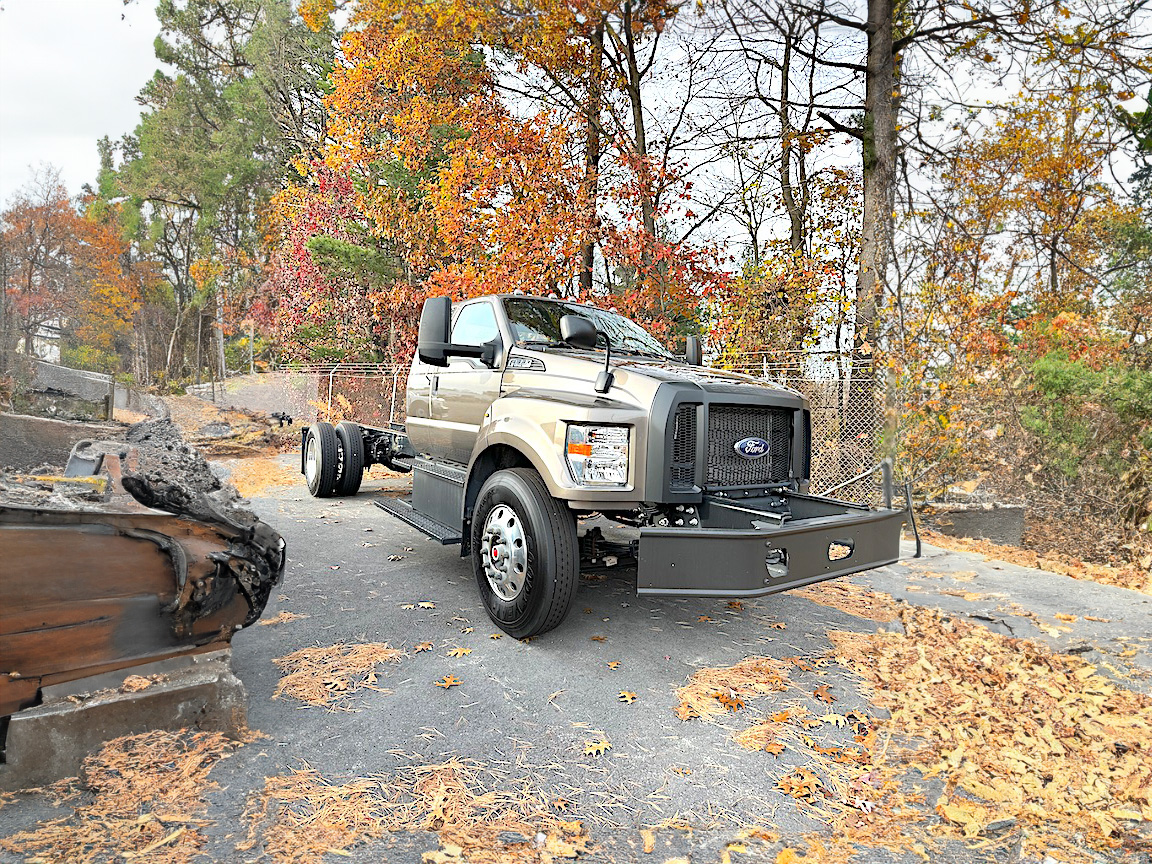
(846, 398)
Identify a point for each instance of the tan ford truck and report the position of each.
(532, 421)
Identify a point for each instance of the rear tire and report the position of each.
(525, 555)
(321, 456)
(352, 458)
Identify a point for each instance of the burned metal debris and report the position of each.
(135, 552)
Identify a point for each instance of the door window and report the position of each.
(475, 325)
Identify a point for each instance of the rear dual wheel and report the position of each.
(333, 459)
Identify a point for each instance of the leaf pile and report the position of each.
(256, 475)
(853, 599)
(281, 617)
(1013, 729)
(148, 797)
(329, 675)
(301, 816)
(712, 691)
(1136, 576)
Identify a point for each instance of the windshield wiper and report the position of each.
(542, 343)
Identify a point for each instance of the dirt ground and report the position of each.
(951, 708)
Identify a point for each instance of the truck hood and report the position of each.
(712, 380)
(570, 376)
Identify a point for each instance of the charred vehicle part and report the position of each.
(526, 415)
(143, 567)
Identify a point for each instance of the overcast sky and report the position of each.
(69, 73)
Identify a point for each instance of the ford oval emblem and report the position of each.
(751, 448)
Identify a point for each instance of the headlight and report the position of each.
(598, 455)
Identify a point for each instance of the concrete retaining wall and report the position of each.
(1000, 523)
(49, 742)
(93, 388)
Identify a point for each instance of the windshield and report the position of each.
(537, 322)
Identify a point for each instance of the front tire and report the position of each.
(321, 457)
(525, 555)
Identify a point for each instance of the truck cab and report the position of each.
(527, 417)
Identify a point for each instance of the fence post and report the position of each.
(330, 374)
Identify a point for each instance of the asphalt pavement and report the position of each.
(524, 710)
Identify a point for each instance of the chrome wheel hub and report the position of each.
(504, 552)
(311, 459)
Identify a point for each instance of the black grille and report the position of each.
(728, 424)
(684, 447)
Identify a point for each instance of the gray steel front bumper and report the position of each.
(741, 550)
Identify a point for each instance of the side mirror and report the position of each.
(578, 331)
(434, 339)
(435, 331)
(693, 355)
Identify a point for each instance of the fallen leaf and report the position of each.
(422, 646)
(823, 694)
(704, 618)
(627, 697)
(459, 652)
(735, 604)
(448, 681)
(613, 664)
(780, 717)
(426, 604)
(1064, 617)
(729, 700)
(597, 748)
(598, 638)
(407, 605)
(467, 629)
(561, 804)
(649, 837)
(837, 720)
(779, 625)
(496, 636)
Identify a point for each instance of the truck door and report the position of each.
(463, 390)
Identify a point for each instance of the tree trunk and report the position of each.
(879, 171)
(592, 157)
(199, 353)
(220, 335)
(861, 423)
(640, 135)
(172, 342)
(795, 216)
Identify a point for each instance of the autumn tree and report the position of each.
(40, 229)
(212, 145)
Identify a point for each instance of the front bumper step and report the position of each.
(761, 546)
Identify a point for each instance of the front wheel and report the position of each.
(524, 553)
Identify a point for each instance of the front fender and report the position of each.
(538, 429)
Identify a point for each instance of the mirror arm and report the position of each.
(605, 379)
